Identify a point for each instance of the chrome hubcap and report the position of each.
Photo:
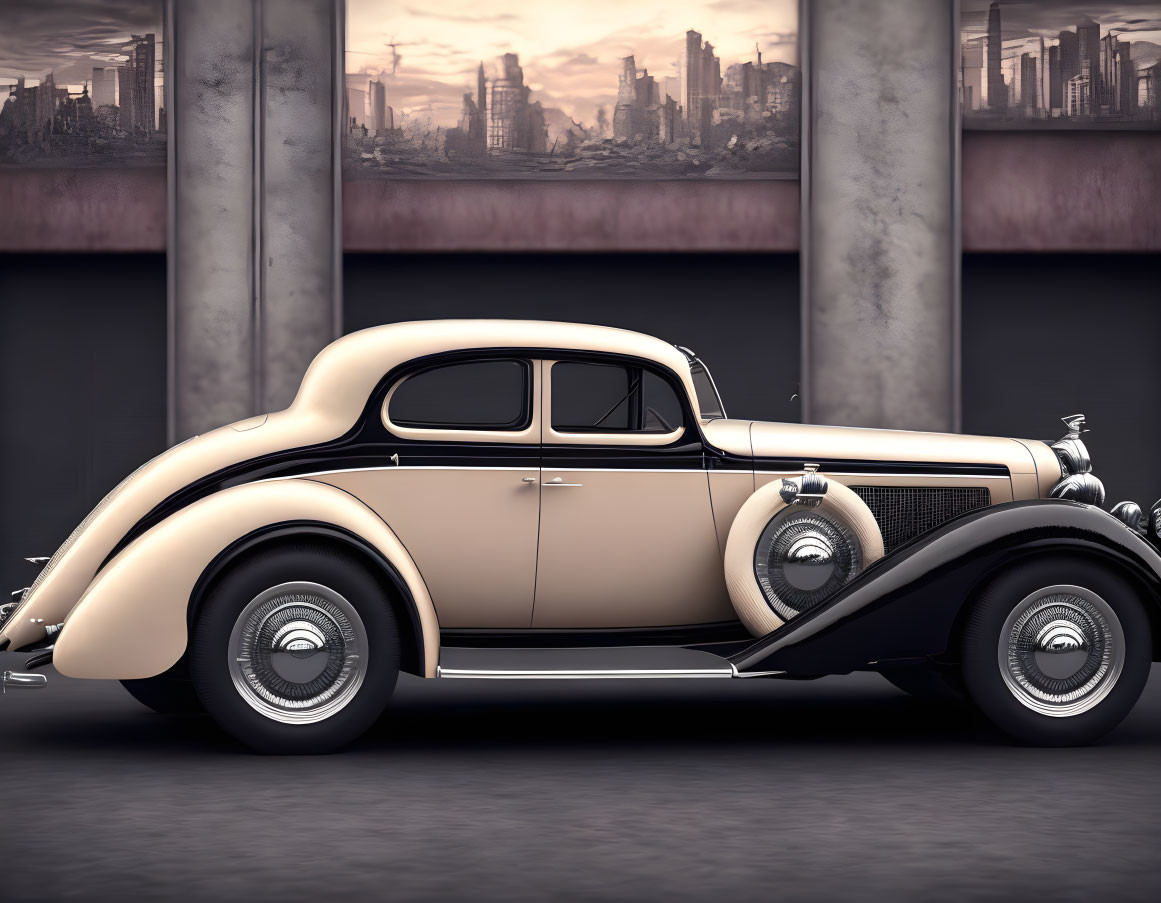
(1062, 650)
(802, 557)
(298, 652)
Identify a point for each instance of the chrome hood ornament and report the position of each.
(1070, 450)
(1075, 424)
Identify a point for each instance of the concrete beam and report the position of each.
(299, 204)
(253, 204)
(211, 250)
(880, 214)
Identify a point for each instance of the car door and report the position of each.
(464, 495)
(627, 533)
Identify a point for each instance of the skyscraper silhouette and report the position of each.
(997, 95)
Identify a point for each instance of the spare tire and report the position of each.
(784, 558)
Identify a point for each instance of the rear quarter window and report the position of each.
(481, 395)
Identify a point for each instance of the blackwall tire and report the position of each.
(166, 695)
(1057, 651)
(840, 505)
(296, 650)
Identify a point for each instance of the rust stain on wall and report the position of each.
(570, 216)
(1086, 191)
(82, 209)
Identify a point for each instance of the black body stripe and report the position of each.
(368, 444)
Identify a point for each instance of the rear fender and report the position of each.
(132, 621)
(906, 606)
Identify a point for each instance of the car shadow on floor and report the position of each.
(433, 717)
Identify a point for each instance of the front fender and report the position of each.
(132, 620)
(906, 606)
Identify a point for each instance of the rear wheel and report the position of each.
(296, 650)
(1057, 652)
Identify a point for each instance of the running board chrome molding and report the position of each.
(630, 674)
(604, 663)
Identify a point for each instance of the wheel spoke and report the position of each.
(298, 652)
(1061, 650)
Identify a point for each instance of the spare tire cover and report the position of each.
(782, 560)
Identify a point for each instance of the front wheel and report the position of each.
(296, 650)
(1056, 652)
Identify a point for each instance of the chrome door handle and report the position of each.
(528, 480)
(559, 481)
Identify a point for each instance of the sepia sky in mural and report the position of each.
(1034, 19)
(570, 50)
(70, 37)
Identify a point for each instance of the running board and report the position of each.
(603, 663)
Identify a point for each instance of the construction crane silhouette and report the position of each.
(396, 57)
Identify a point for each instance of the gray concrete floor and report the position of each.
(839, 789)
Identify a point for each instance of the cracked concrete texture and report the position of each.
(881, 215)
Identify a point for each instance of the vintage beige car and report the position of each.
(513, 499)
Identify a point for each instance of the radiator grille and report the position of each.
(904, 512)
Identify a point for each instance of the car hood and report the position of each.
(825, 444)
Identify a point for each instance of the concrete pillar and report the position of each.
(254, 213)
(880, 207)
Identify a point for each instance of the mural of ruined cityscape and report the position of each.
(1055, 64)
(82, 84)
(572, 90)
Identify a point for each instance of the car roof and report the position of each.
(345, 372)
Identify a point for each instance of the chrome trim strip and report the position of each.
(626, 674)
(867, 473)
(833, 473)
(392, 467)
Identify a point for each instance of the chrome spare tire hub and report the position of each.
(1061, 650)
(802, 557)
(298, 653)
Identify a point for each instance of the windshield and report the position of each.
(708, 399)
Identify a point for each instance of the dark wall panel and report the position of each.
(82, 391)
(1050, 335)
(738, 311)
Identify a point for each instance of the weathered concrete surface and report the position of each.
(212, 256)
(570, 216)
(298, 217)
(254, 253)
(1062, 191)
(98, 209)
(881, 255)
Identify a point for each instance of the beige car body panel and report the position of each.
(470, 531)
(539, 555)
(628, 548)
(131, 622)
(333, 394)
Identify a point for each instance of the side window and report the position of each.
(479, 395)
(611, 398)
